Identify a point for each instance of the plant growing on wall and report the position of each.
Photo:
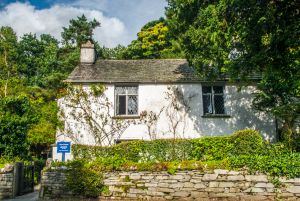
(177, 110)
(91, 109)
(150, 119)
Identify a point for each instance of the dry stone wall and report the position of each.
(183, 185)
(7, 182)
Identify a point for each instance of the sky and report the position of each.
(120, 19)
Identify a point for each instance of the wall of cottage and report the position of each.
(192, 123)
(183, 185)
(7, 182)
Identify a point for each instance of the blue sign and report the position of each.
(63, 147)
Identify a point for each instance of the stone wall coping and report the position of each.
(182, 185)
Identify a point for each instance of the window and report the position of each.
(213, 100)
(126, 100)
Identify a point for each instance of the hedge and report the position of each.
(244, 149)
(206, 148)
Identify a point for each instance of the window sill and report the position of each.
(216, 116)
(126, 117)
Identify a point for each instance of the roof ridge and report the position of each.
(141, 60)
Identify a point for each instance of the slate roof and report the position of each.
(135, 71)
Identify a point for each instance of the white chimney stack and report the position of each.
(87, 53)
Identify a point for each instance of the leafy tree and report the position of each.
(241, 38)
(38, 60)
(154, 41)
(8, 52)
(15, 119)
(79, 31)
(110, 53)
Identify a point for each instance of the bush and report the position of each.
(83, 179)
(244, 149)
(4, 161)
(246, 142)
(279, 165)
(140, 151)
(212, 148)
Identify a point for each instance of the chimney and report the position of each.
(87, 53)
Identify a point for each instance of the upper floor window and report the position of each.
(213, 100)
(126, 100)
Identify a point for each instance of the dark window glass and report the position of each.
(219, 104)
(207, 106)
(121, 105)
(218, 89)
(132, 105)
(126, 100)
(213, 100)
(206, 89)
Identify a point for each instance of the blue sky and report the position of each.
(120, 19)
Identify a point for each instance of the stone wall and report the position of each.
(7, 182)
(183, 185)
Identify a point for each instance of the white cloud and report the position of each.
(24, 18)
(134, 13)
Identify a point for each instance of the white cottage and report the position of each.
(153, 98)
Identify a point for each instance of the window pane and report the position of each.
(132, 105)
(121, 105)
(219, 104)
(206, 89)
(218, 89)
(207, 106)
(132, 90)
(120, 90)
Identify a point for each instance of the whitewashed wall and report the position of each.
(152, 97)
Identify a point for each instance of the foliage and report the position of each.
(230, 152)
(241, 38)
(206, 148)
(246, 142)
(276, 161)
(15, 120)
(4, 161)
(33, 69)
(38, 60)
(39, 164)
(8, 53)
(154, 41)
(83, 180)
(111, 53)
(139, 151)
(275, 165)
(79, 31)
(212, 148)
(98, 120)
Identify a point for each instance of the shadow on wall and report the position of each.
(238, 105)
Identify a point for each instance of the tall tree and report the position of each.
(154, 41)
(15, 119)
(79, 31)
(8, 53)
(239, 38)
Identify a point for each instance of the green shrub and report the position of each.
(4, 161)
(84, 179)
(280, 165)
(212, 148)
(246, 142)
(243, 149)
(139, 151)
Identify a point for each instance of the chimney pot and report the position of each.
(87, 53)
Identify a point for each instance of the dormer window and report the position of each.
(126, 100)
